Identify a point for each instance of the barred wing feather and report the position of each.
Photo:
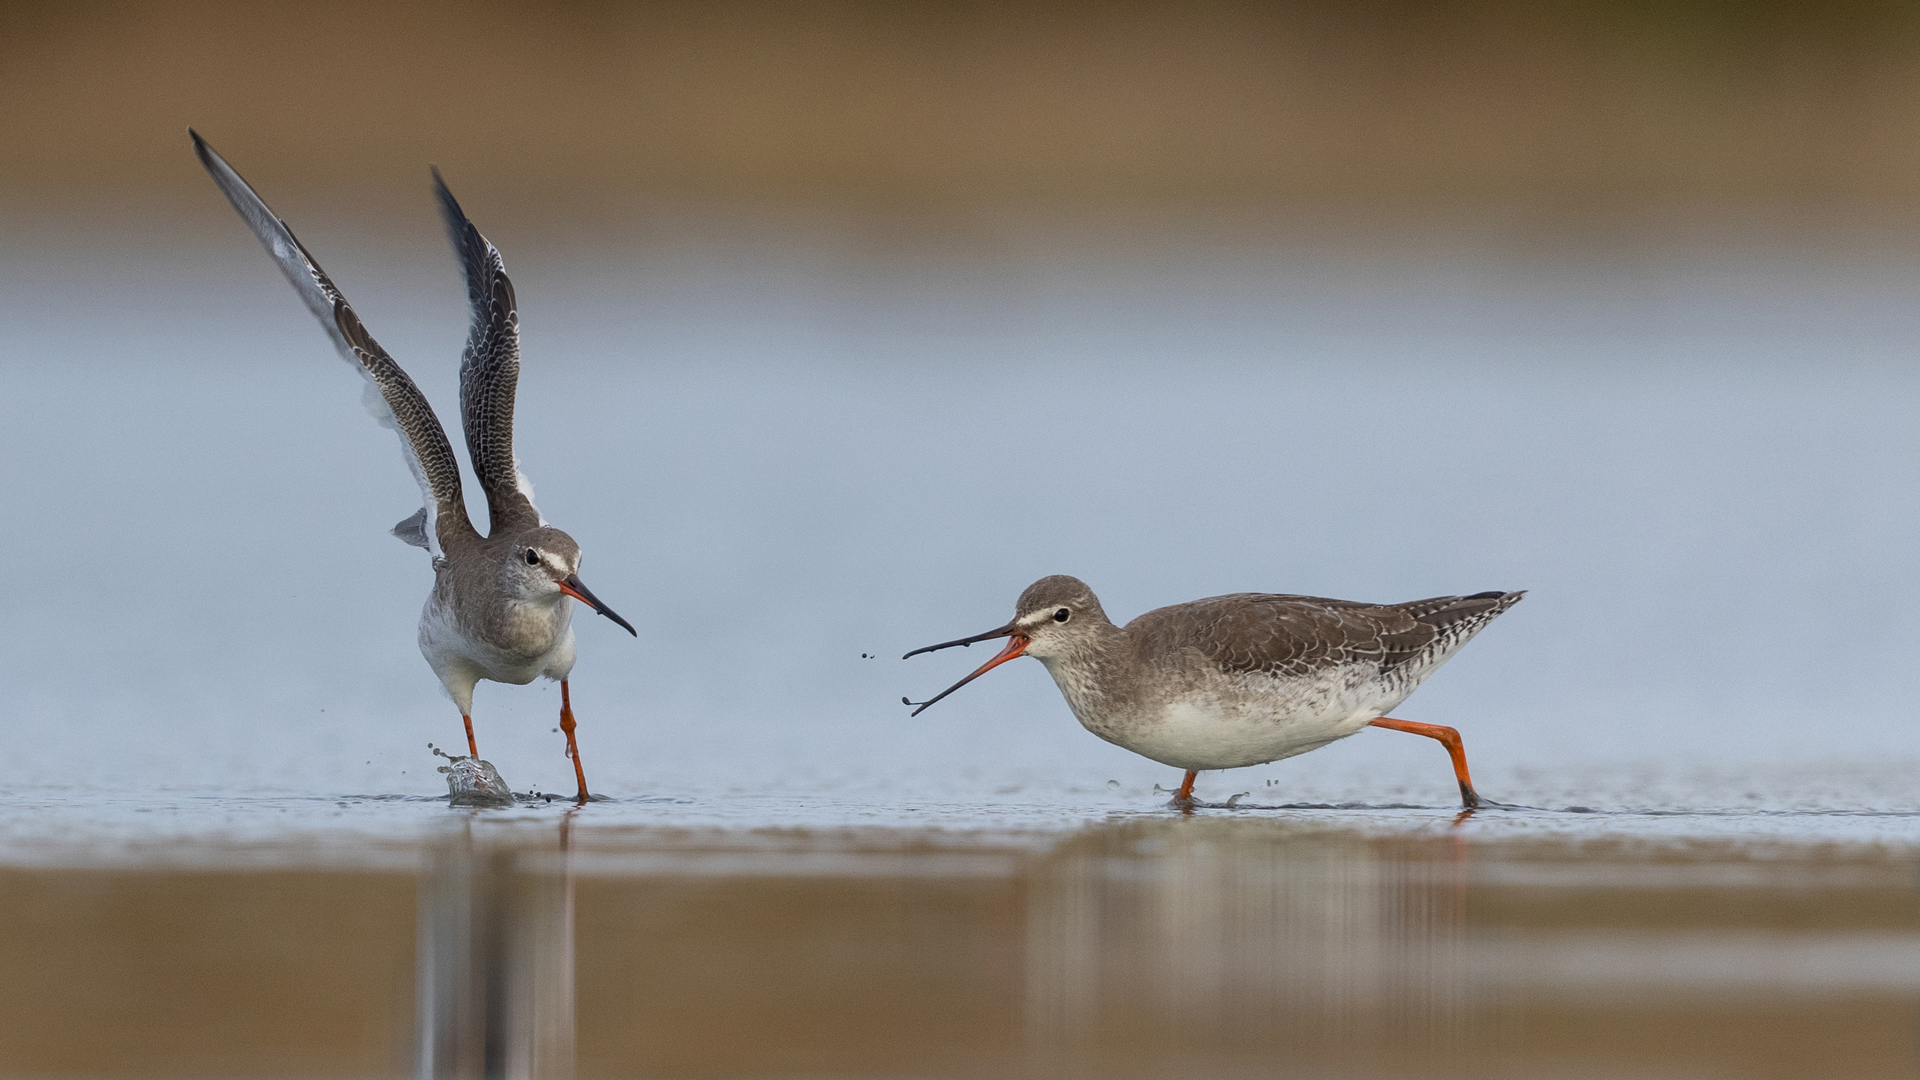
(489, 371)
(391, 395)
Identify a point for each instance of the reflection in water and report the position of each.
(1245, 945)
(1211, 939)
(494, 995)
(1124, 948)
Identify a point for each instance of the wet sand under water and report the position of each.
(1223, 945)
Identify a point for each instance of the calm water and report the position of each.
(792, 455)
(1251, 946)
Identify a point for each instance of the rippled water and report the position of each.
(792, 457)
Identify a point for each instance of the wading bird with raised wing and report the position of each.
(500, 606)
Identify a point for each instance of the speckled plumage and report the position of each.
(499, 607)
(1288, 637)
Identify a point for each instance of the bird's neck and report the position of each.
(1093, 671)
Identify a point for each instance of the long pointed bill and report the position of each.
(1015, 648)
(988, 636)
(572, 587)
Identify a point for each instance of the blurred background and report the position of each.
(843, 322)
(1564, 109)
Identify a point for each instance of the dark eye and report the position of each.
(1062, 615)
(533, 557)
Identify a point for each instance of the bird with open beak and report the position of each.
(1237, 680)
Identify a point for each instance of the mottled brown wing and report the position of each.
(489, 371)
(391, 395)
(1295, 636)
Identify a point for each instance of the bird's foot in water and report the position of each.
(1185, 801)
(473, 782)
(1190, 803)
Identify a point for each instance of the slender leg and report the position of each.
(472, 747)
(1450, 739)
(1185, 794)
(573, 748)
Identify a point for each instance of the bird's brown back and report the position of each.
(1296, 636)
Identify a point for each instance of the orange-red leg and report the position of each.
(573, 748)
(1450, 739)
(1185, 794)
(472, 747)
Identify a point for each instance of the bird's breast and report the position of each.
(509, 641)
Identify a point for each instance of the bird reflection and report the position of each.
(1189, 936)
(496, 953)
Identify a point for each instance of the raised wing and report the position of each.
(391, 396)
(489, 372)
(1295, 636)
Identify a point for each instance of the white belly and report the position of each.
(1230, 722)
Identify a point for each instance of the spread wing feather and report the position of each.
(489, 371)
(391, 395)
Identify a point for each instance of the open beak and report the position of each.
(572, 587)
(1015, 647)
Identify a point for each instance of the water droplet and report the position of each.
(1113, 785)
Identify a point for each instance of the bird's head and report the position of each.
(544, 563)
(1054, 617)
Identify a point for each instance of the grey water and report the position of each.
(792, 452)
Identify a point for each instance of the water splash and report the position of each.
(473, 782)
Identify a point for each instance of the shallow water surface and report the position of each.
(792, 455)
(544, 944)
